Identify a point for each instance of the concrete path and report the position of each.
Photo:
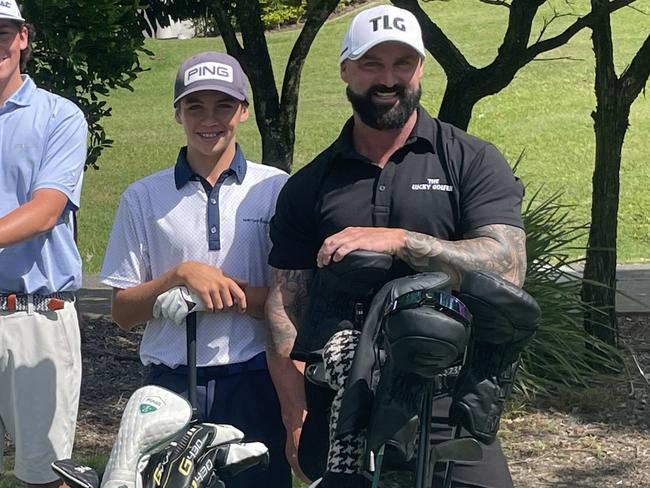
(633, 285)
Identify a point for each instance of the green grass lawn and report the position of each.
(544, 112)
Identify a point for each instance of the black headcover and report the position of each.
(357, 400)
(503, 313)
(76, 475)
(505, 319)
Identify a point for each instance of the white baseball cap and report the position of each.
(380, 24)
(9, 10)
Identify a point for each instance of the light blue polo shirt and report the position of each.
(42, 145)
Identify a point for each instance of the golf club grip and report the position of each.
(191, 363)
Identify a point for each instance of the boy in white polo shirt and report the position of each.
(203, 225)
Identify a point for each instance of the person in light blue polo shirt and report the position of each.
(42, 155)
(200, 229)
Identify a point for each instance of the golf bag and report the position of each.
(156, 447)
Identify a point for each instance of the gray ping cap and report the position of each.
(211, 71)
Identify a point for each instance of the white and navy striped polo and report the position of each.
(173, 216)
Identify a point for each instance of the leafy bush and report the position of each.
(277, 13)
(83, 49)
(561, 354)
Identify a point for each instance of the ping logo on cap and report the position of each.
(5, 4)
(397, 23)
(209, 70)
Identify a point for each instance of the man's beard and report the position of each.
(385, 117)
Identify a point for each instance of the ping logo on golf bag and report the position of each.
(151, 404)
(209, 71)
(397, 23)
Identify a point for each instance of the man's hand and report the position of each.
(293, 427)
(379, 239)
(217, 291)
(175, 304)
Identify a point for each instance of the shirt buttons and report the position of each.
(213, 230)
(382, 187)
(213, 201)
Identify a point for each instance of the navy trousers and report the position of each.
(241, 395)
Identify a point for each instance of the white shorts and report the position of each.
(40, 377)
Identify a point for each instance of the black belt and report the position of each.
(20, 302)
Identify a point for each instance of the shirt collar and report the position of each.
(22, 96)
(183, 172)
(423, 130)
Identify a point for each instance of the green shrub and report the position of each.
(278, 13)
(561, 354)
(84, 49)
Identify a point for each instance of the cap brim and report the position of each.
(195, 89)
(7, 17)
(359, 52)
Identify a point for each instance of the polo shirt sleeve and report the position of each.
(293, 227)
(64, 156)
(490, 193)
(126, 262)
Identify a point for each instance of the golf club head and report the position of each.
(75, 475)
(232, 459)
(464, 450)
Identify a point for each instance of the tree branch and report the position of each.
(437, 43)
(501, 3)
(580, 23)
(635, 77)
(226, 29)
(317, 13)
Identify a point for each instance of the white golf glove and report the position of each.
(176, 303)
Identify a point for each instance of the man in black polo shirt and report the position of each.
(398, 181)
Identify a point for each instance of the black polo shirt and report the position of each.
(443, 182)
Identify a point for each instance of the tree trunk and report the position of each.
(275, 115)
(614, 98)
(599, 289)
(277, 142)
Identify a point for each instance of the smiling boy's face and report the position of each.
(210, 119)
(13, 39)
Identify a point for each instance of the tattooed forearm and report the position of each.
(285, 307)
(497, 248)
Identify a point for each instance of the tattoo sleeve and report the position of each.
(497, 248)
(285, 307)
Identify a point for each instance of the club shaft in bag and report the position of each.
(190, 321)
(423, 457)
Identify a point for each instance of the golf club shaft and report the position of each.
(423, 459)
(191, 363)
(450, 464)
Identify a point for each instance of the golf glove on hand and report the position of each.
(177, 303)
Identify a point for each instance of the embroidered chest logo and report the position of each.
(432, 184)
